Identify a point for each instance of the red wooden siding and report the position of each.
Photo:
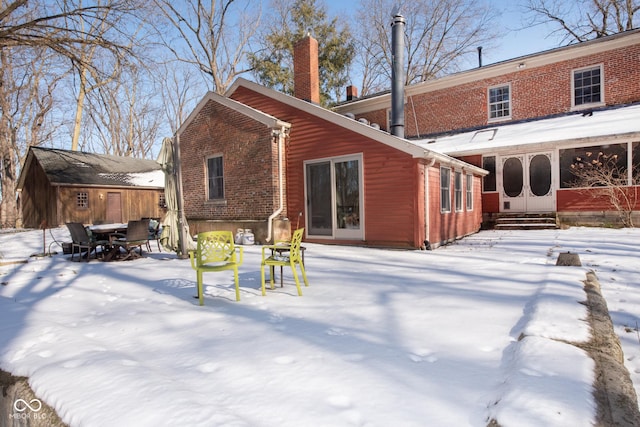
(583, 200)
(389, 175)
(446, 227)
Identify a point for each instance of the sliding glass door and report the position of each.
(334, 198)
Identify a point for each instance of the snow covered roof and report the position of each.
(580, 126)
(80, 168)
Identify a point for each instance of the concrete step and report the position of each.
(526, 221)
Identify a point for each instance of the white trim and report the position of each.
(259, 116)
(338, 233)
(600, 103)
(468, 191)
(527, 62)
(502, 118)
(442, 209)
(400, 144)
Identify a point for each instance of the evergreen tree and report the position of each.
(272, 65)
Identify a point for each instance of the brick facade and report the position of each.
(540, 85)
(250, 161)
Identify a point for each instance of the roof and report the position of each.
(580, 127)
(538, 59)
(66, 167)
(259, 116)
(383, 137)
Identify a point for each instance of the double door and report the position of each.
(527, 182)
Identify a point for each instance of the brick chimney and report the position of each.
(352, 92)
(306, 75)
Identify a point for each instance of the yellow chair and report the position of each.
(216, 252)
(282, 258)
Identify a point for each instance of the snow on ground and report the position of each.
(456, 336)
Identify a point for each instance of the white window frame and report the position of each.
(445, 188)
(457, 190)
(489, 103)
(469, 192)
(573, 88)
(338, 233)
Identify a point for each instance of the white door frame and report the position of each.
(529, 199)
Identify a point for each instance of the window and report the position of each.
(613, 155)
(215, 178)
(458, 190)
(162, 201)
(469, 192)
(82, 200)
(499, 102)
(445, 190)
(489, 181)
(335, 197)
(587, 86)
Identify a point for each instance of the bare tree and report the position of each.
(606, 176)
(212, 36)
(26, 101)
(578, 21)
(177, 85)
(438, 35)
(44, 24)
(124, 116)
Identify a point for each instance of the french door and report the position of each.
(333, 190)
(527, 183)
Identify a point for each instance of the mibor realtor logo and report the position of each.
(27, 410)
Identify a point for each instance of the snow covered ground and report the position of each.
(452, 337)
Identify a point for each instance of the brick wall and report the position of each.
(306, 79)
(535, 92)
(249, 160)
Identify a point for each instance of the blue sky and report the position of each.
(514, 43)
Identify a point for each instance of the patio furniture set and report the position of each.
(115, 241)
(216, 251)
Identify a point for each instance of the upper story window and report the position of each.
(500, 102)
(82, 200)
(587, 86)
(215, 178)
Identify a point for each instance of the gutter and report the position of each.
(281, 134)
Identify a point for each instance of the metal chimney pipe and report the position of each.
(397, 76)
(479, 56)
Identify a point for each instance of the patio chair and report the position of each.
(154, 232)
(137, 235)
(216, 251)
(278, 258)
(81, 239)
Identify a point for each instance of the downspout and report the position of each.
(281, 136)
(427, 205)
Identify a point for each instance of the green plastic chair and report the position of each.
(215, 251)
(277, 258)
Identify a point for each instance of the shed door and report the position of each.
(114, 208)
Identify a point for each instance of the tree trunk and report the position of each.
(8, 205)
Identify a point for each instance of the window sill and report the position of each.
(499, 119)
(587, 106)
(220, 202)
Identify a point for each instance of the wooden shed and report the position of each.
(60, 186)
